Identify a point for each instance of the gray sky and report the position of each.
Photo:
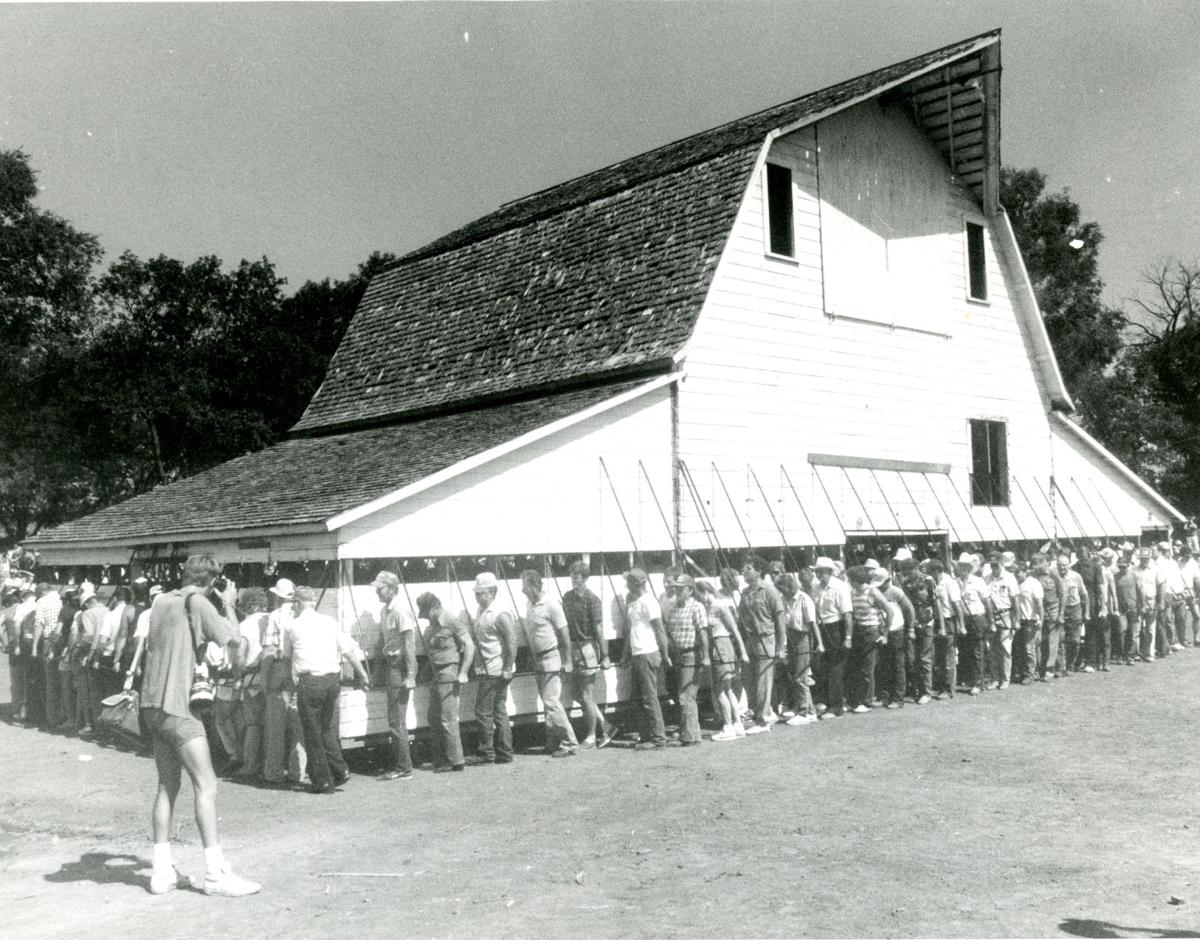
(315, 134)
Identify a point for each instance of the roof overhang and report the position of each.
(1145, 488)
(487, 456)
(956, 102)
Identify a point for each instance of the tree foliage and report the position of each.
(153, 369)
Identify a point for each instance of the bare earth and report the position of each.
(1068, 808)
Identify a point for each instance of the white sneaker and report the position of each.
(797, 720)
(787, 713)
(228, 885)
(162, 882)
(739, 730)
(923, 700)
(861, 709)
(726, 734)
(758, 729)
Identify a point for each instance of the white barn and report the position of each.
(809, 327)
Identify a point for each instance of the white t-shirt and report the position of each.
(315, 644)
(638, 616)
(1032, 596)
(948, 594)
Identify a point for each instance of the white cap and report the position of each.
(824, 562)
(871, 563)
(284, 589)
(903, 553)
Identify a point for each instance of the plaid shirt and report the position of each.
(683, 623)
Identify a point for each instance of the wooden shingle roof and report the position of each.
(601, 275)
(308, 480)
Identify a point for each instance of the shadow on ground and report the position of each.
(104, 868)
(1103, 929)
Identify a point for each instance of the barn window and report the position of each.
(989, 463)
(779, 211)
(976, 264)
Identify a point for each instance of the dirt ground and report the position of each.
(1068, 808)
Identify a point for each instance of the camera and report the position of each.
(220, 583)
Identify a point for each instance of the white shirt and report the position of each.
(638, 615)
(315, 643)
(832, 600)
(1169, 575)
(1030, 599)
(1003, 588)
(948, 594)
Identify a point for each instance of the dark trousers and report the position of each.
(974, 645)
(895, 676)
(491, 711)
(55, 714)
(398, 695)
(443, 715)
(1026, 649)
(919, 656)
(317, 702)
(946, 656)
(645, 694)
(833, 665)
(863, 654)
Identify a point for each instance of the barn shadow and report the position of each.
(1079, 927)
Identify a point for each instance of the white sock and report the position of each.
(162, 857)
(214, 860)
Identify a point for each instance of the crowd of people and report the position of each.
(261, 670)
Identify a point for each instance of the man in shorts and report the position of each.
(180, 622)
(589, 647)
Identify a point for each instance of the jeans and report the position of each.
(644, 674)
(833, 635)
(1053, 661)
(946, 656)
(687, 672)
(975, 646)
(227, 714)
(491, 711)
(863, 653)
(443, 715)
(1027, 648)
(398, 695)
(760, 675)
(55, 714)
(317, 703)
(1072, 631)
(253, 705)
(919, 668)
(283, 738)
(799, 669)
(893, 658)
(1175, 615)
(18, 686)
(1100, 634)
(1002, 645)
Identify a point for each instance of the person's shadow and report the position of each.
(1104, 930)
(105, 868)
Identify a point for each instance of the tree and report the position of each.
(1061, 253)
(46, 280)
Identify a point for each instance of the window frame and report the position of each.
(995, 434)
(769, 215)
(970, 225)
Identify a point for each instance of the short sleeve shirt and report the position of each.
(683, 622)
(395, 620)
(802, 613)
(948, 594)
(447, 636)
(760, 606)
(833, 600)
(582, 609)
(543, 620)
(316, 644)
(638, 614)
(1030, 598)
(177, 628)
(974, 590)
(1003, 589)
(489, 650)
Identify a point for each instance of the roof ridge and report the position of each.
(438, 246)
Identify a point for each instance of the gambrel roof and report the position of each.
(603, 275)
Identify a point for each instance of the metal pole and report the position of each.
(1079, 490)
(1066, 502)
(778, 528)
(828, 499)
(886, 502)
(1104, 503)
(1053, 515)
(621, 510)
(1032, 509)
(705, 519)
(803, 512)
(937, 499)
(732, 506)
(963, 503)
(861, 504)
(662, 515)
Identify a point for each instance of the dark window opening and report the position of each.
(989, 463)
(976, 263)
(779, 210)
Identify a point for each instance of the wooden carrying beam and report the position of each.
(876, 463)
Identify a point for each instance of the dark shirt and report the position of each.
(759, 608)
(922, 594)
(1127, 593)
(1093, 576)
(584, 619)
(1052, 588)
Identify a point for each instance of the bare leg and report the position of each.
(169, 768)
(197, 762)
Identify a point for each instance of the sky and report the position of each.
(314, 134)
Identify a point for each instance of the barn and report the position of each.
(807, 328)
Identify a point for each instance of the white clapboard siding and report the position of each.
(771, 378)
(550, 496)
